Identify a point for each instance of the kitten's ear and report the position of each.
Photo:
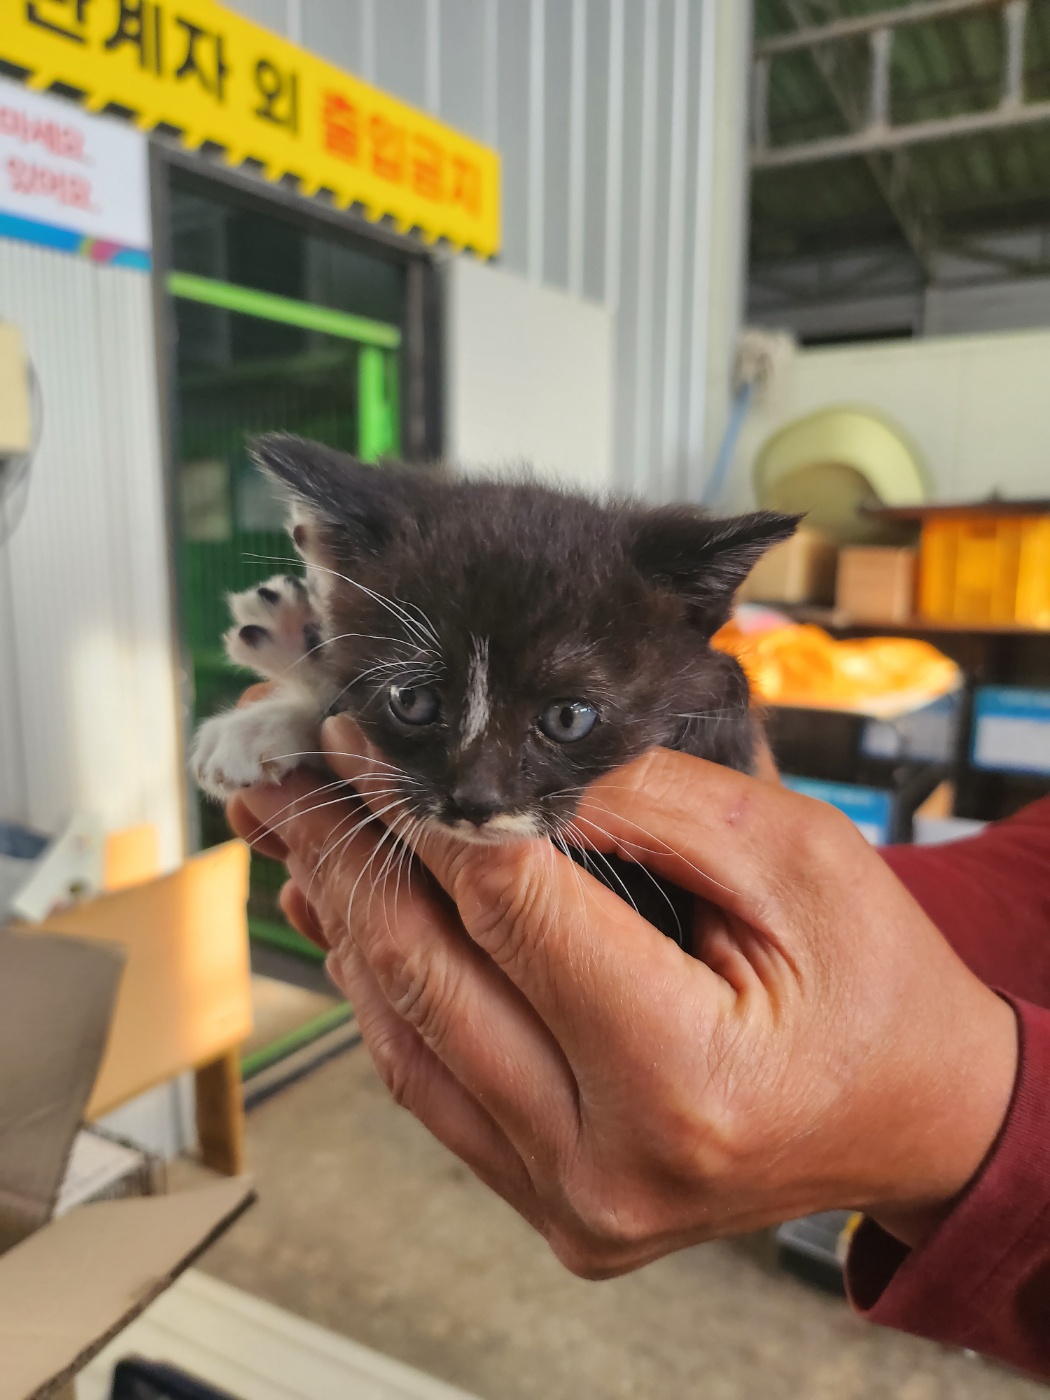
(702, 559)
(341, 508)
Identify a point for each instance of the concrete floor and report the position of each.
(370, 1228)
(278, 1008)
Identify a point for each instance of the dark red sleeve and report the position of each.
(982, 1280)
(990, 897)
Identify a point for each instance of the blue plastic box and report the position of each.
(1011, 730)
(870, 809)
(926, 735)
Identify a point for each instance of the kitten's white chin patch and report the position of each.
(499, 831)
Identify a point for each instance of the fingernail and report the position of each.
(340, 731)
(340, 735)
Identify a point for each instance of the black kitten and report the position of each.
(503, 643)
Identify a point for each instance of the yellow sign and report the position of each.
(216, 78)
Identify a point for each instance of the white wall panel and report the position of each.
(529, 373)
(462, 64)
(1002, 306)
(401, 61)
(974, 405)
(556, 148)
(272, 13)
(90, 668)
(513, 126)
(334, 32)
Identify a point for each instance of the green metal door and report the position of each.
(251, 361)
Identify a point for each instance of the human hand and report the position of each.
(824, 1048)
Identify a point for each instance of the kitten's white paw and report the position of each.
(260, 744)
(275, 626)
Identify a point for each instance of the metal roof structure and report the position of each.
(916, 125)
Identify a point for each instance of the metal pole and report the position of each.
(537, 72)
(577, 145)
(881, 55)
(1015, 24)
(760, 104)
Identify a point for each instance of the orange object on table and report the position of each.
(799, 664)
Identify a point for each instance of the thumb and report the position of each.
(734, 840)
(352, 755)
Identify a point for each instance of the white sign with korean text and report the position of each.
(65, 169)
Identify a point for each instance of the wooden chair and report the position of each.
(185, 997)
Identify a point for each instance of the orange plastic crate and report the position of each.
(986, 569)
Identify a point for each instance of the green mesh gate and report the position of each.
(252, 362)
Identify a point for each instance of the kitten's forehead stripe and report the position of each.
(476, 698)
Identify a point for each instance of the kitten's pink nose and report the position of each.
(475, 804)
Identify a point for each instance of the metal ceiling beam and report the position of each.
(832, 284)
(962, 94)
(1012, 263)
(878, 133)
(891, 175)
(898, 138)
(923, 12)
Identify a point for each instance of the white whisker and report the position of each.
(367, 867)
(424, 634)
(563, 846)
(345, 840)
(669, 849)
(613, 872)
(350, 795)
(262, 828)
(407, 855)
(324, 753)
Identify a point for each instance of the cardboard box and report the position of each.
(876, 584)
(68, 1285)
(798, 570)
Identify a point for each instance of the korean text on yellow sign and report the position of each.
(215, 77)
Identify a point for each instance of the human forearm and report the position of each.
(982, 1278)
(990, 897)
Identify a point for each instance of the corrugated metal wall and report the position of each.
(603, 111)
(88, 715)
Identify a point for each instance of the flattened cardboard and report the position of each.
(70, 1288)
(186, 995)
(56, 998)
(16, 416)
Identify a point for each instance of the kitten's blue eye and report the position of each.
(414, 704)
(567, 721)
